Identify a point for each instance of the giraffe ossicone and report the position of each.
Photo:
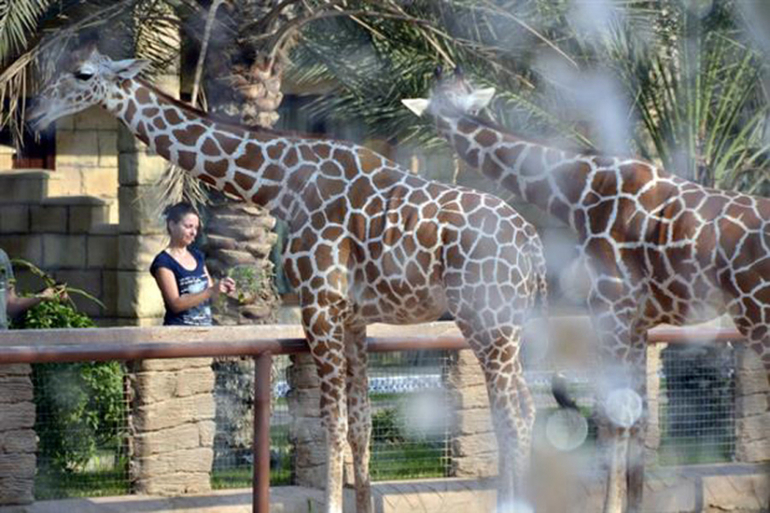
(368, 242)
(658, 249)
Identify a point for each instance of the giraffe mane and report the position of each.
(227, 123)
(577, 150)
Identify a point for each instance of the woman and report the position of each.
(181, 273)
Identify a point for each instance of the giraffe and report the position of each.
(369, 242)
(658, 249)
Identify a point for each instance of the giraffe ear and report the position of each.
(480, 98)
(416, 105)
(129, 68)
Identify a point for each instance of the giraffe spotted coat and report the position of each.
(369, 242)
(659, 249)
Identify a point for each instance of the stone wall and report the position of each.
(86, 157)
(18, 441)
(172, 426)
(752, 417)
(67, 236)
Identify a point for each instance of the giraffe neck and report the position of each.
(258, 166)
(552, 179)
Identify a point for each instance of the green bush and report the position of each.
(79, 406)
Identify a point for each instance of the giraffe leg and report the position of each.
(498, 352)
(325, 335)
(359, 414)
(621, 396)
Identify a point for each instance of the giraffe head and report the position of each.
(452, 95)
(86, 81)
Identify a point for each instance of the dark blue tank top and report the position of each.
(188, 282)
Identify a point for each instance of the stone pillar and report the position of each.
(142, 233)
(473, 445)
(306, 434)
(18, 441)
(752, 417)
(652, 441)
(172, 426)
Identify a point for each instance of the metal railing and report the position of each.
(260, 342)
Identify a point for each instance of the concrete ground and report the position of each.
(735, 488)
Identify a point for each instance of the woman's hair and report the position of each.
(177, 211)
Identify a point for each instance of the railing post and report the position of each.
(261, 486)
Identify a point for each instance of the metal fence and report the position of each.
(83, 426)
(82, 419)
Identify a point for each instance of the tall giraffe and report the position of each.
(659, 249)
(369, 242)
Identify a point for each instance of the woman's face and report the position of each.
(185, 231)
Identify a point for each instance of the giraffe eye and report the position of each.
(83, 75)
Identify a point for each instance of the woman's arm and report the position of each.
(17, 305)
(179, 303)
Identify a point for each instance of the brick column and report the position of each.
(18, 441)
(652, 440)
(473, 445)
(306, 434)
(752, 417)
(172, 426)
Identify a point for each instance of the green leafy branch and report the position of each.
(62, 291)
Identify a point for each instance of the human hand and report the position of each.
(58, 291)
(226, 285)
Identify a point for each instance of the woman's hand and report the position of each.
(224, 286)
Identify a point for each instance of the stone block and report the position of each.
(140, 168)
(64, 251)
(48, 218)
(754, 404)
(14, 219)
(184, 460)
(108, 149)
(17, 464)
(94, 118)
(752, 451)
(15, 369)
(471, 445)
(101, 182)
(65, 123)
(23, 186)
(138, 295)
(138, 213)
(67, 182)
(166, 414)
(16, 490)
(102, 251)
(206, 432)
(311, 476)
(186, 436)
(16, 416)
(481, 465)
(179, 483)
(307, 429)
(751, 382)
(670, 495)
(470, 422)
(736, 492)
(15, 389)
(28, 247)
(87, 280)
(77, 149)
(110, 293)
(471, 397)
(170, 364)
(161, 386)
(18, 441)
(754, 427)
(136, 252)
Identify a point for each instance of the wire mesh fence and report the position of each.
(81, 420)
(83, 417)
(697, 404)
